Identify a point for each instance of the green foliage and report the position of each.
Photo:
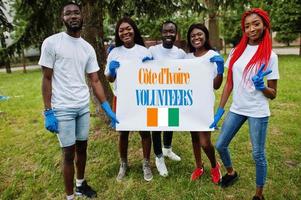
(286, 16)
(231, 29)
(30, 157)
(151, 27)
(149, 15)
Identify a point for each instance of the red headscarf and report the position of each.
(263, 53)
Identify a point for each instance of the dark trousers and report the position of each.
(157, 144)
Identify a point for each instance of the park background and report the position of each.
(30, 157)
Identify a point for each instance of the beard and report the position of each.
(168, 43)
(71, 28)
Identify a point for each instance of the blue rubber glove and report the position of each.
(51, 123)
(219, 62)
(110, 48)
(147, 58)
(218, 115)
(258, 78)
(106, 107)
(113, 66)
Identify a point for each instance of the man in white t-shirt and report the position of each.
(166, 50)
(65, 59)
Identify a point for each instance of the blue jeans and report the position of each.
(257, 130)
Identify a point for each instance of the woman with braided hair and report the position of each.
(249, 62)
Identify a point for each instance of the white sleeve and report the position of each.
(47, 58)
(109, 59)
(215, 53)
(273, 65)
(92, 65)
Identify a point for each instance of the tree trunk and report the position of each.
(213, 24)
(93, 33)
(6, 56)
(23, 61)
(7, 65)
(299, 44)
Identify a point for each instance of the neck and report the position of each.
(254, 42)
(75, 34)
(200, 52)
(129, 45)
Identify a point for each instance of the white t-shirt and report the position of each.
(206, 57)
(70, 58)
(247, 100)
(137, 52)
(159, 52)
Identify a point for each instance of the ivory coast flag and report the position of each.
(158, 117)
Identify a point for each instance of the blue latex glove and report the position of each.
(258, 78)
(147, 58)
(51, 123)
(219, 62)
(110, 48)
(113, 66)
(218, 115)
(106, 107)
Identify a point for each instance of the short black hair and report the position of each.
(168, 22)
(71, 3)
(137, 36)
(203, 28)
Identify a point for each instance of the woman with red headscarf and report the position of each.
(248, 64)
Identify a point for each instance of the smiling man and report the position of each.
(65, 59)
(166, 50)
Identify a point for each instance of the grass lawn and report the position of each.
(30, 157)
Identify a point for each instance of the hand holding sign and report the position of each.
(258, 78)
(113, 66)
(219, 62)
(147, 59)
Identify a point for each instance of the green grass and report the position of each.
(30, 157)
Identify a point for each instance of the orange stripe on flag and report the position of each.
(152, 117)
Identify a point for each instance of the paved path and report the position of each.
(286, 51)
(30, 67)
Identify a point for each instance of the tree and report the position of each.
(93, 32)
(5, 26)
(287, 17)
(212, 7)
(286, 38)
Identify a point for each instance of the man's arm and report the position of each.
(47, 86)
(97, 87)
(100, 95)
(51, 123)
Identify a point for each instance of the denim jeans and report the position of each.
(73, 125)
(257, 131)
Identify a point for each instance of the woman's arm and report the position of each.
(217, 81)
(271, 90)
(225, 95)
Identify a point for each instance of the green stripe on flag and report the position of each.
(173, 117)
